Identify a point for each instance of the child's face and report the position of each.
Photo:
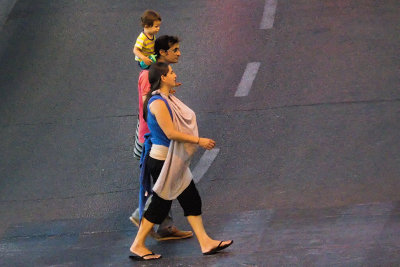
(153, 30)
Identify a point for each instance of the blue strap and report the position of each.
(145, 181)
(155, 97)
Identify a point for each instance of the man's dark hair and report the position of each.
(164, 43)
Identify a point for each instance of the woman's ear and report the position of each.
(162, 78)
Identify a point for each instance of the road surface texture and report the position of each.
(308, 167)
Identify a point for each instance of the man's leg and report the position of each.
(167, 223)
(166, 230)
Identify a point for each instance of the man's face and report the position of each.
(172, 54)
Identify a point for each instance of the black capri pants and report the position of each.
(158, 209)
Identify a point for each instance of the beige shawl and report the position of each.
(175, 175)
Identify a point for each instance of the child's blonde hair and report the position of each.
(148, 18)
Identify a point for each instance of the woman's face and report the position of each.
(170, 78)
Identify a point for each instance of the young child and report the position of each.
(144, 46)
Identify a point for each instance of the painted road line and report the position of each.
(204, 163)
(6, 7)
(247, 79)
(268, 18)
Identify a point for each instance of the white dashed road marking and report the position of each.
(268, 18)
(205, 162)
(247, 79)
(5, 8)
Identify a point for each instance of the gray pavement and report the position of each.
(309, 165)
(5, 8)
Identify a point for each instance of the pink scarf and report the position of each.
(175, 175)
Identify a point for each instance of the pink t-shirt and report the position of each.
(143, 89)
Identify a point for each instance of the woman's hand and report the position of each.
(206, 143)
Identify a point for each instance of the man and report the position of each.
(166, 49)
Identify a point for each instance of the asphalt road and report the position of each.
(309, 165)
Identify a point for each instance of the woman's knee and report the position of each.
(190, 201)
(158, 209)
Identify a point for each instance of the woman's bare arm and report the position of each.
(161, 112)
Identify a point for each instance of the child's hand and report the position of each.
(147, 61)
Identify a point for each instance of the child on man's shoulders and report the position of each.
(144, 46)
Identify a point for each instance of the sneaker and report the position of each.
(173, 233)
(153, 234)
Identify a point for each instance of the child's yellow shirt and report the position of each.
(145, 44)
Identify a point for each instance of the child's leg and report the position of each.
(143, 65)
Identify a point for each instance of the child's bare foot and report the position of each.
(214, 246)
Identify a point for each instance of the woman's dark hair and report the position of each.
(156, 70)
(148, 18)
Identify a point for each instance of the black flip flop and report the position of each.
(218, 248)
(142, 258)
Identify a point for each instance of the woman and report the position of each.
(174, 138)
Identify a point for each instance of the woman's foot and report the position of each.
(142, 253)
(214, 246)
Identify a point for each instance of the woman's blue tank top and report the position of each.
(158, 137)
